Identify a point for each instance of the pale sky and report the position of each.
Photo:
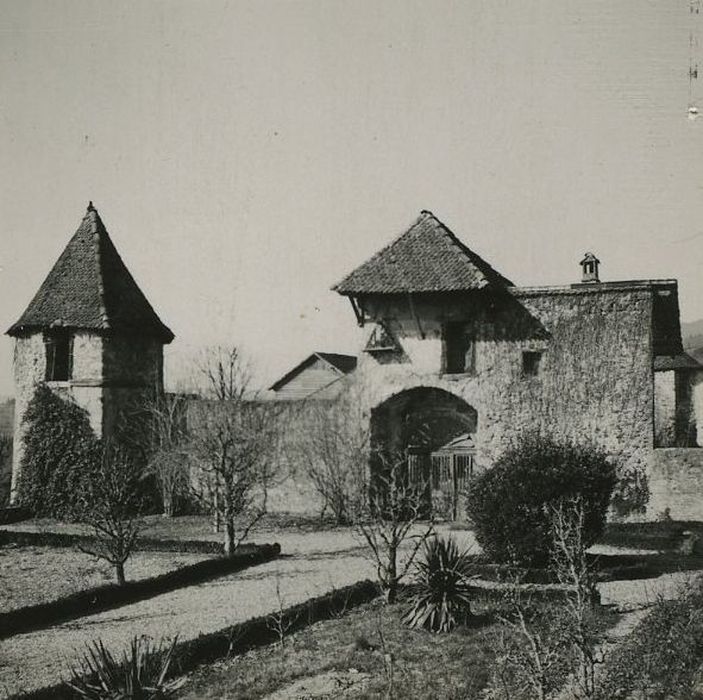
(244, 156)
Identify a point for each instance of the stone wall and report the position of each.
(109, 377)
(678, 408)
(595, 378)
(132, 361)
(697, 391)
(676, 483)
(132, 374)
(29, 366)
(665, 408)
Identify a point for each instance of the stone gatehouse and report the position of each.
(602, 362)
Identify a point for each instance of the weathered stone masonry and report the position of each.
(595, 376)
(594, 362)
(90, 335)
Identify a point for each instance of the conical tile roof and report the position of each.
(428, 257)
(90, 288)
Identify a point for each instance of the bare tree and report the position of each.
(572, 568)
(540, 648)
(531, 649)
(388, 516)
(278, 622)
(169, 448)
(233, 437)
(334, 446)
(109, 504)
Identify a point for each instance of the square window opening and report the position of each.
(59, 356)
(459, 349)
(531, 361)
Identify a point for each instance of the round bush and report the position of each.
(511, 504)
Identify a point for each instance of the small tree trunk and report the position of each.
(168, 503)
(216, 525)
(119, 573)
(392, 580)
(229, 537)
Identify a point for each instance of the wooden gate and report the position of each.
(451, 470)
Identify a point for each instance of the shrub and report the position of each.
(662, 656)
(511, 504)
(59, 447)
(443, 594)
(140, 674)
(5, 468)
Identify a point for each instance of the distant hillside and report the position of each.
(693, 338)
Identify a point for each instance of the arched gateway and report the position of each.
(432, 431)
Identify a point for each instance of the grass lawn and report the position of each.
(349, 657)
(30, 575)
(425, 665)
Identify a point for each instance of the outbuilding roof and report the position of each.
(341, 364)
(428, 257)
(90, 288)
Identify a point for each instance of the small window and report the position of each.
(530, 363)
(59, 360)
(459, 349)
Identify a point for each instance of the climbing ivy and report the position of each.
(59, 447)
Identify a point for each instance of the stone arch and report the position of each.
(409, 430)
(423, 418)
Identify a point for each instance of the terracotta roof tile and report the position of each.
(428, 257)
(90, 288)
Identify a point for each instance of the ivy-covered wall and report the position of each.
(110, 376)
(595, 379)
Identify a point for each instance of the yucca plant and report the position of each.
(442, 590)
(140, 674)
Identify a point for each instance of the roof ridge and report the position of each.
(426, 257)
(455, 240)
(322, 356)
(89, 287)
(424, 213)
(94, 217)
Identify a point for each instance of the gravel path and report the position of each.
(641, 593)
(314, 564)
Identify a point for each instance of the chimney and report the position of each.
(589, 266)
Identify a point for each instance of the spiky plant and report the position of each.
(140, 674)
(442, 590)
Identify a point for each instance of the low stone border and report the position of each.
(93, 600)
(244, 636)
(13, 514)
(144, 544)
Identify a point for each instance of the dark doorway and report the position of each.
(420, 426)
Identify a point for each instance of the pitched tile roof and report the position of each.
(90, 288)
(428, 257)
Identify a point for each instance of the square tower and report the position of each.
(90, 334)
